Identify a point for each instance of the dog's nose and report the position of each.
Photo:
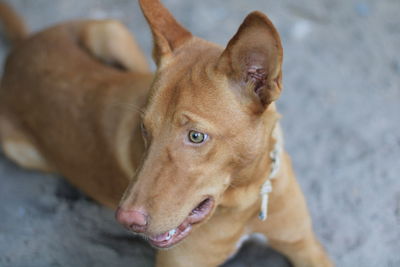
(135, 220)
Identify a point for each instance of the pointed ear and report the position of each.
(168, 34)
(252, 60)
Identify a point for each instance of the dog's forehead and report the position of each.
(190, 83)
(198, 95)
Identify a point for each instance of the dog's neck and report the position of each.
(249, 180)
(275, 156)
(261, 166)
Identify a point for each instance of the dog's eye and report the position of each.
(197, 137)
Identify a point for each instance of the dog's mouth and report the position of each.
(172, 237)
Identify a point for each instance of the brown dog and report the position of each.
(212, 149)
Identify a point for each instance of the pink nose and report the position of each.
(135, 220)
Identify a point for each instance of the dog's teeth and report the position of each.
(172, 232)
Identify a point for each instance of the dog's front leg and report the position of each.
(210, 245)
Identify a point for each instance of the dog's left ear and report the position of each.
(252, 60)
(168, 34)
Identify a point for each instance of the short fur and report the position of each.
(72, 100)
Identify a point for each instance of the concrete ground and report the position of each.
(341, 108)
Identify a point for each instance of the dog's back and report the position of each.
(52, 73)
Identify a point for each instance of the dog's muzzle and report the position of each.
(137, 221)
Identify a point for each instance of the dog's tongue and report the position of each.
(182, 227)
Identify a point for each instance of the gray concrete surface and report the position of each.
(341, 108)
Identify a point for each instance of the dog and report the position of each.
(191, 156)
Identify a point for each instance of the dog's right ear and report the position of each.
(168, 34)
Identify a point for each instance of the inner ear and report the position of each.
(255, 76)
(253, 59)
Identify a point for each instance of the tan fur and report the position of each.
(81, 118)
(14, 27)
(111, 41)
(20, 148)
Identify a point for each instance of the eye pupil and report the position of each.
(196, 137)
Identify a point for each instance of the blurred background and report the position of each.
(340, 107)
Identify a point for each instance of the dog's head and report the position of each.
(206, 122)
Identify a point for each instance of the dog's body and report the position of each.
(63, 110)
(93, 94)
